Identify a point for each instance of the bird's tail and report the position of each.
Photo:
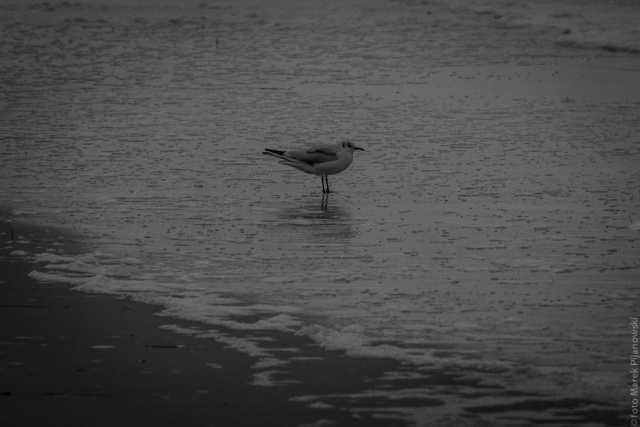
(275, 153)
(281, 155)
(290, 161)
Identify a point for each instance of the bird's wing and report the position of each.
(326, 149)
(312, 156)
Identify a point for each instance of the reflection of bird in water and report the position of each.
(320, 160)
(311, 223)
(324, 205)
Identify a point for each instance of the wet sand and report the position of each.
(90, 359)
(86, 359)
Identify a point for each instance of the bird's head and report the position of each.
(348, 145)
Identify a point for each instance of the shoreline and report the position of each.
(80, 357)
(77, 357)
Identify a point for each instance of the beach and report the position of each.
(87, 359)
(476, 265)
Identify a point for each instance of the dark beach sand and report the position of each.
(81, 359)
(73, 358)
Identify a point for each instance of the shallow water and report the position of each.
(488, 228)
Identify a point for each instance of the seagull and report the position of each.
(320, 160)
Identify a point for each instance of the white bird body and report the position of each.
(320, 160)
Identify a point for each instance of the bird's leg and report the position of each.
(324, 178)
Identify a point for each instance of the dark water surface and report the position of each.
(487, 230)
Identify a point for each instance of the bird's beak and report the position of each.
(358, 148)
